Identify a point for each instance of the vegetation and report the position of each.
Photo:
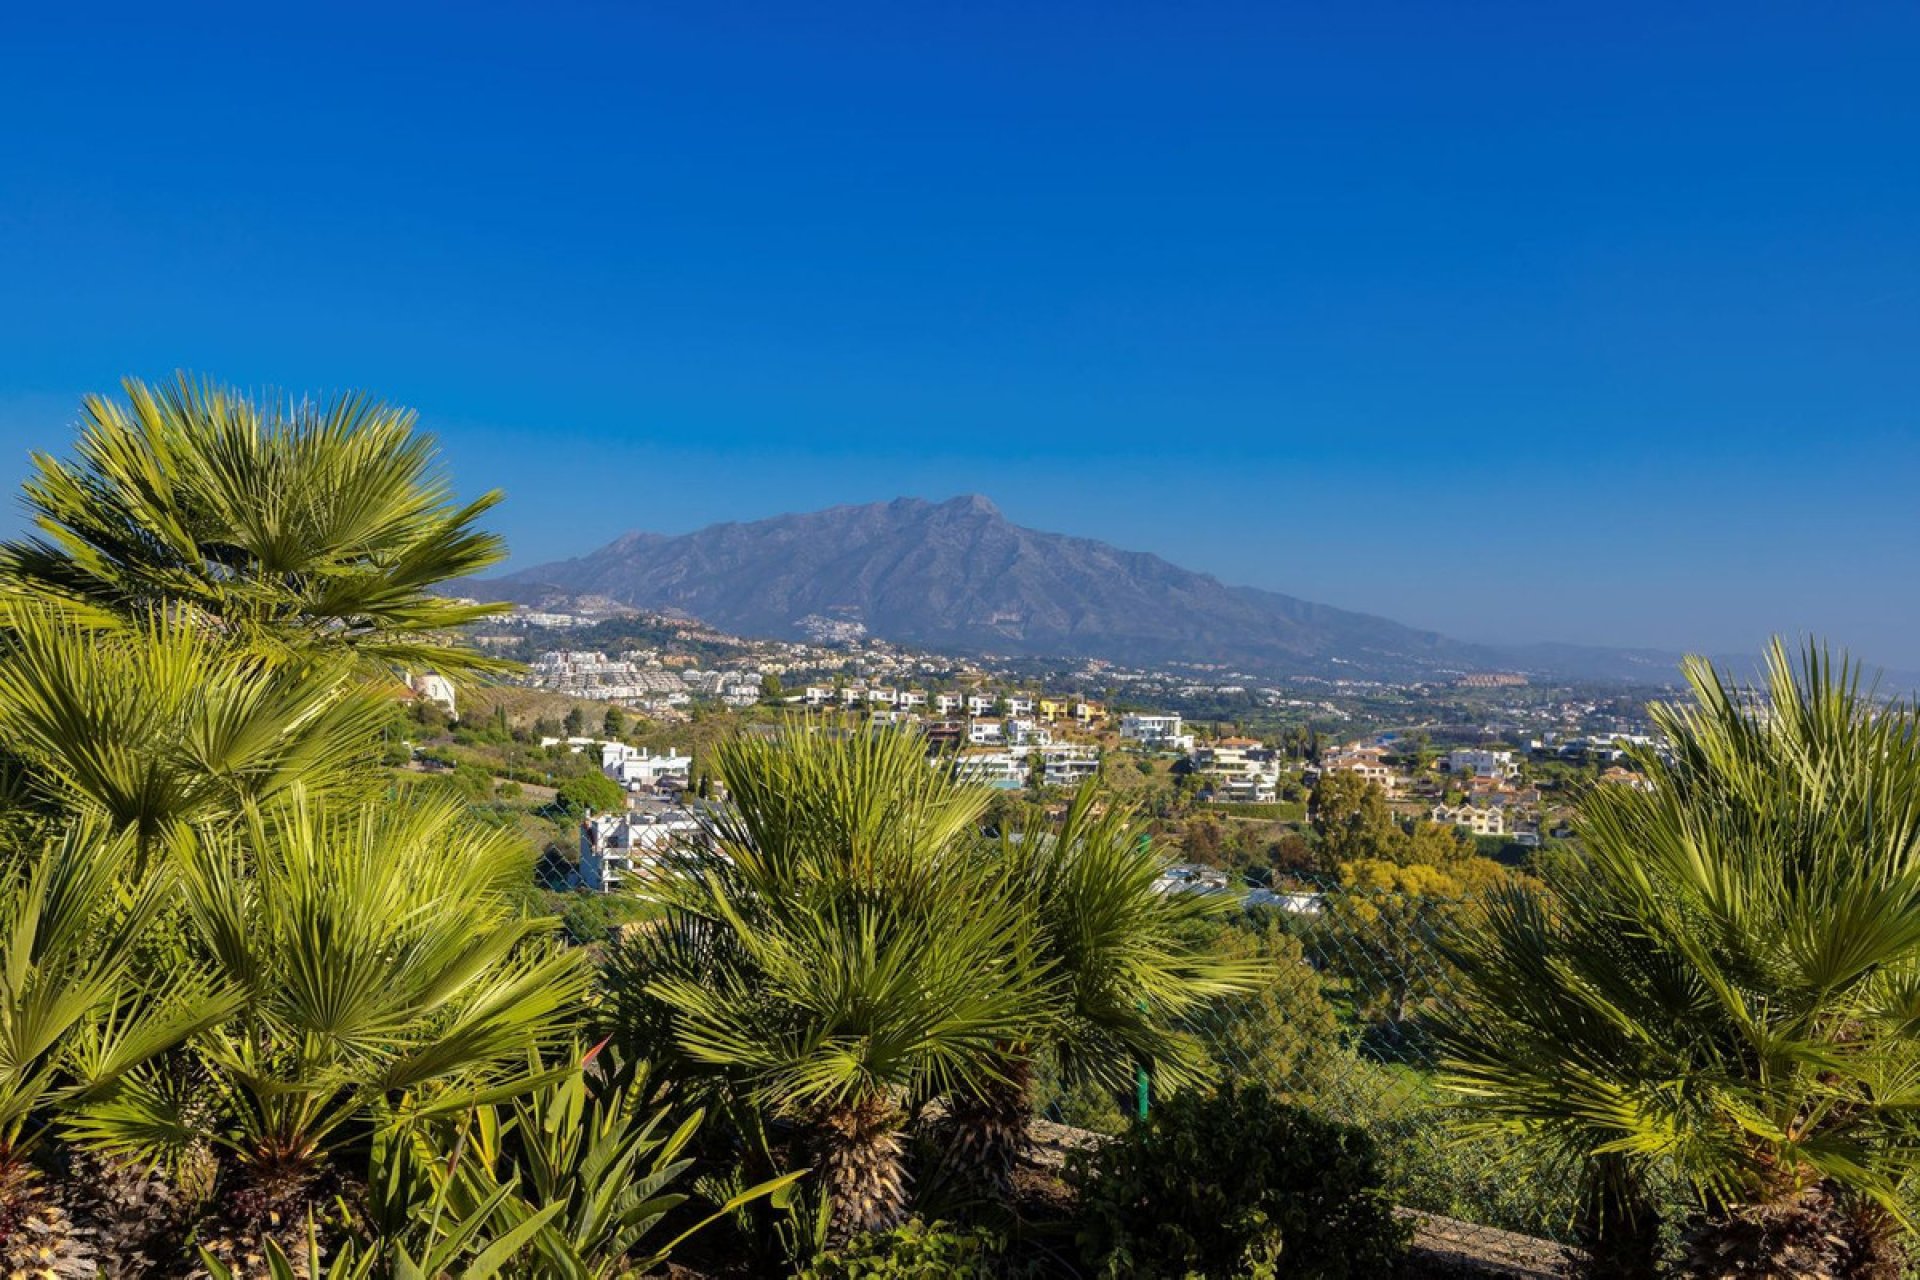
(283, 992)
(1236, 1184)
(839, 953)
(1721, 991)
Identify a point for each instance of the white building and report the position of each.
(1485, 764)
(1069, 765)
(1157, 733)
(434, 688)
(986, 733)
(1027, 733)
(980, 704)
(1482, 822)
(634, 767)
(1243, 770)
(819, 695)
(617, 848)
(948, 703)
(1018, 704)
(998, 769)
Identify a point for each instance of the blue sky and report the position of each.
(1519, 321)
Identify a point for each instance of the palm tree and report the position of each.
(290, 524)
(1120, 967)
(837, 954)
(376, 951)
(157, 723)
(1724, 989)
(74, 1016)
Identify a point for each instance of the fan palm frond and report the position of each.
(293, 525)
(1724, 985)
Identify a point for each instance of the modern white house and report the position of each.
(1485, 764)
(986, 733)
(948, 703)
(1158, 733)
(980, 704)
(636, 768)
(1243, 770)
(998, 769)
(1068, 765)
(617, 847)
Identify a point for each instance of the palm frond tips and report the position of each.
(288, 525)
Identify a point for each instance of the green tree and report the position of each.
(614, 725)
(575, 725)
(76, 1012)
(1722, 989)
(296, 524)
(837, 953)
(1119, 969)
(161, 724)
(1351, 818)
(594, 791)
(375, 950)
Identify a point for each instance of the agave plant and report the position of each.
(375, 950)
(1119, 968)
(74, 1017)
(288, 525)
(1725, 988)
(838, 953)
(160, 724)
(584, 1142)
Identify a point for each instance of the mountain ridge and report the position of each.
(958, 576)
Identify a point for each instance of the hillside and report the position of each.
(958, 576)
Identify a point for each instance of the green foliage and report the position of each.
(595, 791)
(291, 526)
(372, 949)
(838, 951)
(161, 724)
(75, 1013)
(590, 917)
(1724, 987)
(915, 1250)
(1352, 820)
(1236, 1184)
(581, 1143)
(1123, 965)
(1283, 1033)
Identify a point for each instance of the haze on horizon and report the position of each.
(1512, 323)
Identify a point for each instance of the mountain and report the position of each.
(959, 577)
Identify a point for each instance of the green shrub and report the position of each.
(1216, 1186)
(594, 791)
(915, 1251)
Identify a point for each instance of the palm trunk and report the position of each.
(1802, 1231)
(863, 1167)
(1619, 1226)
(989, 1130)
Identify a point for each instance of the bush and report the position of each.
(915, 1251)
(594, 791)
(1216, 1186)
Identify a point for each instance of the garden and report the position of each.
(263, 1013)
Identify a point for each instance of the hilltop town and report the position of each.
(1225, 768)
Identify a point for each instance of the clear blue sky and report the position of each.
(1515, 320)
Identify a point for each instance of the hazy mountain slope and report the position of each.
(959, 576)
